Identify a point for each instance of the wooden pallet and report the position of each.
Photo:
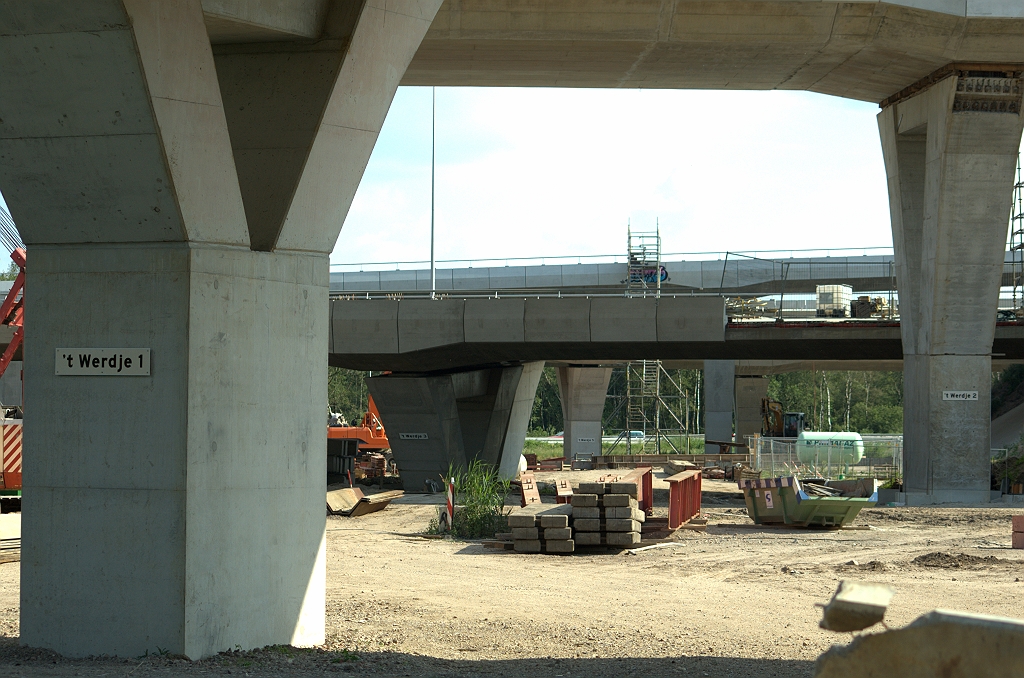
(10, 550)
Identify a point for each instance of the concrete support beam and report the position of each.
(950, 154)
(437, 421)
(119, 165)
(583, 391)
(719, 399)
(749, 393)
(305, 116)
(519, 419)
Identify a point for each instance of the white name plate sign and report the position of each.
(959, 395)
(102, 362)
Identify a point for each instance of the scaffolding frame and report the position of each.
(643, 263)
(650, 409)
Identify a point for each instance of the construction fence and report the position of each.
(881, 458)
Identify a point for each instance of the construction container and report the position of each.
(829, 448)
(785, 501)
(833, 300)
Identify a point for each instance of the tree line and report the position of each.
(867, 402)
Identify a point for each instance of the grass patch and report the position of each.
(543, 450)
(479, 502)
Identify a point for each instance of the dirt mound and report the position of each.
(958, 561)
(853, 565)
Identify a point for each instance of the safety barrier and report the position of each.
(683, 498)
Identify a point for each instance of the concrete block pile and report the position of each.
(542, 528)
(606, 514)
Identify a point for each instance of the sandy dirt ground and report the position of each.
(734, 601)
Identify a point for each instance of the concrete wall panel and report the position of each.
(505, 278)
(544, 276)
(426, 323)
(622, 319)
(442, 279)
(361, 326)
(553, 319)
(361, 280)
(470, 279)
(398, 281)
(580, 275)
(691, 319)
(495, 320)
(611, 274)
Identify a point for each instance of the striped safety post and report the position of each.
(10, 471)
(450, 506)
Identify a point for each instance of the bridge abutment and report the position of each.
(950, 153)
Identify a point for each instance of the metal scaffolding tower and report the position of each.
(643, 261)
(1016, 244)
(646, 403)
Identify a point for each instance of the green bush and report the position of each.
(479, 502)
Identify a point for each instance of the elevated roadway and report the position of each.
(423, 335)
(729, 273)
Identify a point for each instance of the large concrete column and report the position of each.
(749, 393)
(436, 421)
(950, 153)
(519, 419)
(582, 391)
(183, 509)
(719, 399)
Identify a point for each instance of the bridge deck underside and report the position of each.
(833, 344)
(859, 50)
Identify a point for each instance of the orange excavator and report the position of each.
(370, 434)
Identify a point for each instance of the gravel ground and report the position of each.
(734, 601)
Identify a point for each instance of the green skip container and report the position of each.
(775, 501)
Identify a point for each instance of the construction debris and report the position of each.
(940, 643)
(1018, 532)
(530, 494)
(351, 502)
(856, 606)
(10, 550)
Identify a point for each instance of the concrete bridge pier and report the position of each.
(582, 391)
(719, 400)
(750, 390)
(181, 199)
(950, 154)
(437, 421)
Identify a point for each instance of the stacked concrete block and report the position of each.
(542, 528)
(1018, 532)
(606, 514)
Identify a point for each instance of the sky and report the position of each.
(552, 172)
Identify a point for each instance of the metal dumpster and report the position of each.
(785, 501)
